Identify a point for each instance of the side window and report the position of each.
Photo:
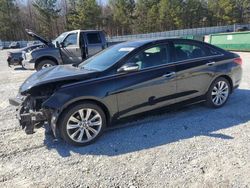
(212, 51)
(154, 56)
(185, 51)
(94, 38)
(71, 39)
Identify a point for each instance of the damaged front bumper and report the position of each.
(30, 119)
(15, 101)
(14, 61)
(28, 64)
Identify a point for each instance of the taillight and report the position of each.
(238, 60)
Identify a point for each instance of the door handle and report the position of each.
(169, 75)
(210, 63)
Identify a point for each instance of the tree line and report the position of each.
(116, 17)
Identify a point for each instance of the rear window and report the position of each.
(187, 50)
(213, 51)
(94, 38)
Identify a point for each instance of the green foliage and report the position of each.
(170, 13)
(123, 14)
(194, 14)
(153, 22)
(222, 11)
(8, 20)
(242, 12)
(146, 13)
(48, 13)
(86, 16)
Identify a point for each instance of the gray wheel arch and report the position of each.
(227, 77)
(46, 58)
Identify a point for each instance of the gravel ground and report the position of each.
(192, 147)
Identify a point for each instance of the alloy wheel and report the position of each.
(220, 93)
(84, 125)
(46, 65)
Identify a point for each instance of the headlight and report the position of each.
(28, 56)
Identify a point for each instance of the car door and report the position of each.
(94, 43)
(153, 86)
(193, 69)
(71, 52)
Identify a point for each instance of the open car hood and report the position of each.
(54, 75)
(37, 37)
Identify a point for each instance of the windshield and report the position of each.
(106, 58)
(60, 38)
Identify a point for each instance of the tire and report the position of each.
(77, 129)
(44, 64)
(222, 93)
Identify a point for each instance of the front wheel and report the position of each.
(45, 64)
(218, 93)
(82, 124)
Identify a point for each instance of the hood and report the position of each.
(37, 37)
(45, 50)
(16, 54)
(55, 74)
(25, 49)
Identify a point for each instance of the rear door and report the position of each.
(194, 68)
(153, 86)
(94, 43)
(71, 52)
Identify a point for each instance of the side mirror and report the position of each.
(61, 45)
(57, 44)
(129, 67)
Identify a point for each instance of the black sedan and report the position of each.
(126, 79)
(15, 57)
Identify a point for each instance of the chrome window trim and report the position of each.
(199, 58)
(183, 61)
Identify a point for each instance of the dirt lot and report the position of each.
(192, 147)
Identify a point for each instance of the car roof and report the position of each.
(138, 43)
(142, 42)
(80, 30)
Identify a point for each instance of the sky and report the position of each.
(103, 1)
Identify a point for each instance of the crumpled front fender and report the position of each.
(57, 101)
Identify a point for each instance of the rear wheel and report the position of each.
(82, 124)
(45, 64)
(218, 93)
